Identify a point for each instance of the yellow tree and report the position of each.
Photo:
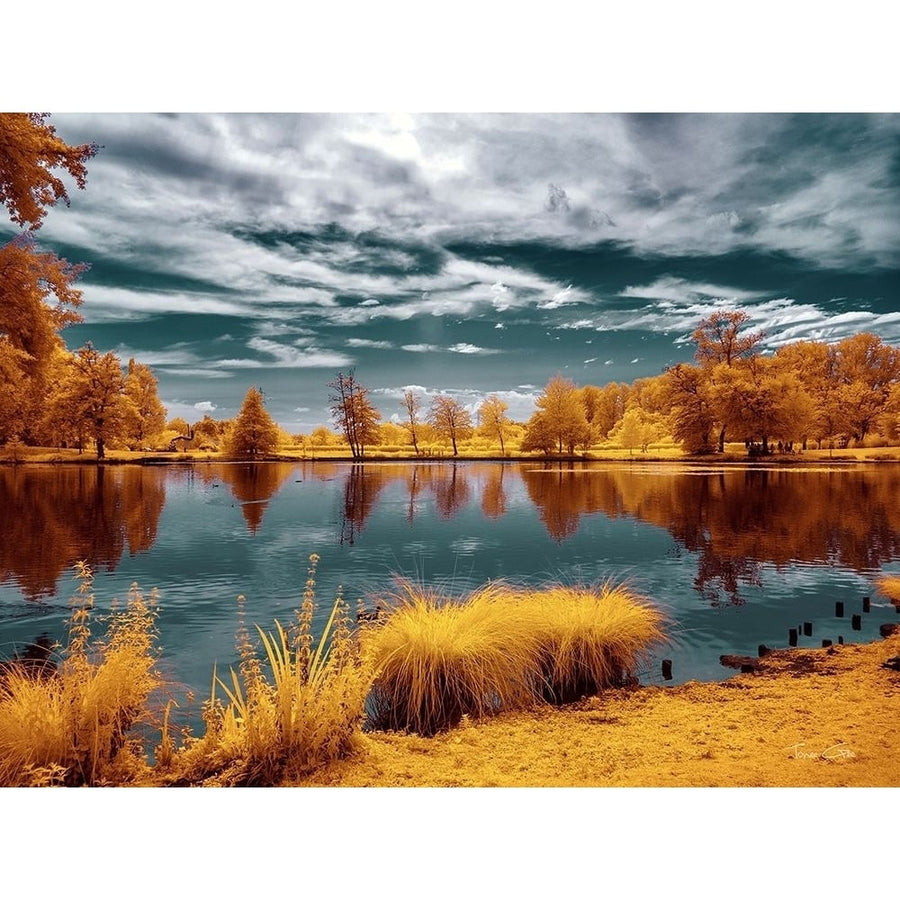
(254, 433)
(687, 391)
(493, 420)
(721, 344)
(867, 370)
(412, 405)
(353, 412)
(92, 398)
(37, 300)
(560, 417)
(146, 415)
(450, 419)
(814, 364)
(30, 150)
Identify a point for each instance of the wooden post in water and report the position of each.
(840, 639)
(807, 629)
(826, 642)
(867, 604)
(792, 637)
(839, 609)
(667, 669)
(856, 623)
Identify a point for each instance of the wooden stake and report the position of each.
(807, 629)
(667, 669)
(839, 609)
(856, 623)
(792, 637)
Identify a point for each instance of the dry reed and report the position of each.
(590, 638)
(889, 585)
(279, 725)
(72, 726)
(500, 648)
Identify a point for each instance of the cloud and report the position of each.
(366, 342)
(205, 406)
(286, 357)
(420, 348)
(470, 349)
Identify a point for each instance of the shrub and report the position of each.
(438, 659)
(500, 648)
(279, 728)
(72, 726)
(590, 638)
(889, 585)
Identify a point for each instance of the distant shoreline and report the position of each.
(164, 458)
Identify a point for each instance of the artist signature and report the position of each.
(835, 751)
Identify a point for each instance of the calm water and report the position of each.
(736, 556)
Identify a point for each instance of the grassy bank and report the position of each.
(808, 718)
(735, 454)
(504, 687)
(422, 664)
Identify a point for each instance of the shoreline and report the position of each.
(847, 458)
(805, 718)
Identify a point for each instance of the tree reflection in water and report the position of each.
(252, 485)
(736, 520)
(53, 515)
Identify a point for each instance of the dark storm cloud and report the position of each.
(470, 252)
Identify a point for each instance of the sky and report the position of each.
(472, 253)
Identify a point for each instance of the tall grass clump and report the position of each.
(280, 720)
(889, 585)
(439, 658)
(73, 725)
(590, 638)
(500, 648)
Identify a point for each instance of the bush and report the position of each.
(72, 726)
(275, 730)
(889, 585)
(590, 638)
(499, 648)
(438, 659)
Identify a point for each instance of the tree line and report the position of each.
(50, 396)
(806, 391)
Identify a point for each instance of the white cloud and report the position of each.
(286, 357)
(366, 342)
(420, 348)
(471, 349)
(205, 406)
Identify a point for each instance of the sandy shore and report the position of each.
(806, 718)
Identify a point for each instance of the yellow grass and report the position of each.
(282, 724)
(889, 585)
(73, 726)
(438, 660)
(590, 638)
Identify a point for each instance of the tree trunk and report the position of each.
(453, 438)
(502, 450)
(722, 440)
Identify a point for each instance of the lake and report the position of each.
(736, 555)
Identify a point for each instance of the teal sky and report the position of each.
(471, 253)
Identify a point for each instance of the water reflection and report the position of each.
(252, 485)
(54, 515)
(735, 520)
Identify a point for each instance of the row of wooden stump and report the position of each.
(749, 664)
